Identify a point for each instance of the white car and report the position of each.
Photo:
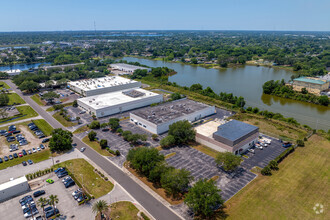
(66, 178)
(38, 148)
(76, 192)
(34, 150)
(82, 149)
(251, 150)
(259, 147)
(27, 205)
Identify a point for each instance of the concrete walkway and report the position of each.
(20, 121)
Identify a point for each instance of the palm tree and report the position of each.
(53, 200)
(42, 202)
(99, 207)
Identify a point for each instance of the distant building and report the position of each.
(127, 68)
(13, 72)
(13, 188)
(157, 119)
(232, 136)
(61, 66)
(91, 87)
(312, 84)
(116, 102)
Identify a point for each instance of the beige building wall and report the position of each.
(311, 87)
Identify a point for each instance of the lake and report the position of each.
(247, 81)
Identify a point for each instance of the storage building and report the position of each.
(127, 68)
(233, 136)
(13, 188)
(157, 119)
(91, 87)
(312, 84)
(117, 102)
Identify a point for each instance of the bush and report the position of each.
(283, 155)
(300, 143)
(273, 165)
(154, 136)
(167, 141)
(117, 153)
(144, 216)
(75, 103)
(106, 178)
(120, 131)
(92, 135)
(95, 125)
(103, 143)
(266, 171)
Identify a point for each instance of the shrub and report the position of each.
(284, 154)
(117, 153)
(266, 171)
(154, 136)
(103, 143)
(144, 216)
(92, 135)
(273, 165)
(168, 141)
(300, 143)
(75, 103)
(120, 131)
(95, 125)
(106, 178)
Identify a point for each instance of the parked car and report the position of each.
(16, 132)
(20, 154)
(50, 181)
(24, 163)
(259, 147)
(82, 112)
(82, 197)
(69, 184)
(77, 195)
(8, 134)
(1, 160)
(59, 169)
(5, 158)
(38, 148)
(63, 174)
(82, 149)
(41, 136)
(51, 213)
(3, 132)
(10, 139)
(29, 214)
(34, 150)
(38, 193)
(24, 198)
(30, 162)
(66, 179)
(76, 192)
(15, 155)
(24, 152)
(28, 203)
(29, 151)
(286, 144)
(48, 208)
(45, 140)
(251, 150)
(42, 146)
(10, 157)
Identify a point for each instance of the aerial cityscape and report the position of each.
(164, 110)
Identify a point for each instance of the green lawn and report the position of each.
(64, 122)
(50, 109)
(4, 85)
(24, 110)
(15, 99)
(43, 126)
(96, 146)
(123, 211)
(38, 100)
(290, 193)
(81, 129)
(35, 157)
(90, 180)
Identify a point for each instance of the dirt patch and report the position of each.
(30, 137)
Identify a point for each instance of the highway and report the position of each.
(151, 204)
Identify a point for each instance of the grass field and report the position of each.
(96, 146)
(205, 150)
(4, 85)
(64, 122)
(38, 100)
(43, 126)
(24, 110)
(123, 211)
(15, 99)
(290, 193)
(90, 180)
(81, 129)
(35, 157)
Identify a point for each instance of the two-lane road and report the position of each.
(152, 205)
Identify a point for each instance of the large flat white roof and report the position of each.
(128, 67)
(99, 83)
(115, 98)
(14, 182)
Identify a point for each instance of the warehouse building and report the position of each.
(13, 188)
(312, 84)
(91, 87)
(117, 102)
(232, 136)
(127, 68)
(157, 119)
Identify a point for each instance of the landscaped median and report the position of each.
(4, 85)
(96, 146)
(88, 178)
(38, 100)
(63, 121)
(35, 157)
(15, 99)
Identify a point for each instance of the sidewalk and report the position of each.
(20, 121)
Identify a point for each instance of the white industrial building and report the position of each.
(127, 68)
(91, 87)
(157, 119)
(13, 188)
(117, 102)
(13, 72)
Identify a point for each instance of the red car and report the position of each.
(20, 154)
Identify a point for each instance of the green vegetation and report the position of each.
(278, 88)
(57, 107)
(92, 135)
(99, 207)
(96, 146)
(64, 122)
(61, 140)
(94, 125)
(24, 110)
(43, 126)
(81, 129)
(15, 99)
(4, 85)
(90, 180)
(123, 211)
(228, 161)
(38, 100)
(50, 96)
(133, 138)
(114, 123)
(4, 99)
(292, 191)
(182, 131)
(35, 157)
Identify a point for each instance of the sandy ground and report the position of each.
(33, 141)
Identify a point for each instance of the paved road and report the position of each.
(152, 205)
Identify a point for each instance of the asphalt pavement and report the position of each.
(152, 205)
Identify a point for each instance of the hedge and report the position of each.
(284, 154)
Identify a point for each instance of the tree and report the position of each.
(53, 200)
(304, 91)
(182, 131)
(29, 86)
(103, 143)
(4, 99)
(61, 140)
(300, 143)
(78, 118)
(273, 165)
(167, 141)
(157, 172)
(176, 181)
(228, 160)
(42, 202)
(92, 135)
(266, 171)
(50, 96)
(99, 207)
(134, 138)
(324, 100)
(144, 159)
(154, 137)
(114, 123)
(94, 125)
(175, 96)
(196, 87)
(75, 103)
(204, 198)
(103, 125)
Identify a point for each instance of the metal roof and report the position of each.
(311, 80)
(234, 130)
(12, 183)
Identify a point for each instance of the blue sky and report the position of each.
(50, 15)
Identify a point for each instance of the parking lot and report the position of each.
(67, 205)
